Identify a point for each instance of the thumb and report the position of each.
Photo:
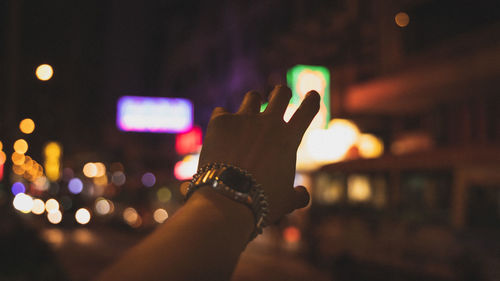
(301, 197)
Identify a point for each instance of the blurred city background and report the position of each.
(104, 104)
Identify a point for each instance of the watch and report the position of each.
(238, 185)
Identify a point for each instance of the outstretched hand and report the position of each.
(263, 144)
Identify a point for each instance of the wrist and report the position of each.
(223, 210)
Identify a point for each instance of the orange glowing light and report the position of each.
(27, 126)
(18, 158)
(44, 72)
(3, 157)
(20, 146)
(291, 234)
(402, 19)
(1, 145)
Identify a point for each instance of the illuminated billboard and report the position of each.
(154, 115)
(304, 78)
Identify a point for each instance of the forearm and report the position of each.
(202, 241)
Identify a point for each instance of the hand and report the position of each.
(263, 144)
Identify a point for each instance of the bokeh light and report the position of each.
(164, 194)
(75, 185)
(27, 126)
(131, 217)
(101, 169)
(118, 178)
(358, 188)
(38, 207)
(1, 145)
(402, 19)
(54, 217)
(291, 234)
(117, 167)
(148, 179)
(103, 206)
(18, 158)
(53, 236)
(90, 170)
(52, 206)
(160, 215)
(82, 216)
(23, 203)
(44, 72)
(370, 146)
(3, 157)
(186, 168)
(41, 183)
(20, 146)
(101, 181)
(17, 188)
(52, 150)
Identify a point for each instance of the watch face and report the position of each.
(236, 180)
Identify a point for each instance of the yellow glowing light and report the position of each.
(23, 203)
(164, 194)
(370, 146)
(1, 145)
(402, 19)
(52, 206)
(131, 217)
(18, 158)
(52, 150)
(38, 207)
(358, 188)
(44, 72)
(20, 146)
(27, 126)
(54, 217)
(160, 215)
(102, 206)
(52, 172)
(90, 170)
(82, 216)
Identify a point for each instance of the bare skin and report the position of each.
(205, 238)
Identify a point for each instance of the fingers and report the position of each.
(280, 96)
(218, 111)
(251, 103)
(301, 197)
(305, 113)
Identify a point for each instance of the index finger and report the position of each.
(304, 115)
